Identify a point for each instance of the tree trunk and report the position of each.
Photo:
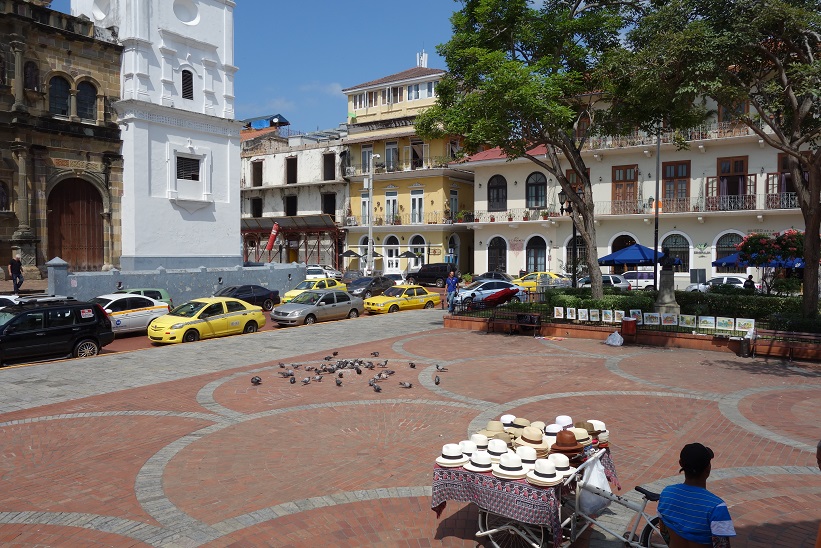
(812, 244)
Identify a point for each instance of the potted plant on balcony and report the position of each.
(544, 214)
(509, 215)
(397, 219)
(492, 218)
(526, 216)
(460, 217)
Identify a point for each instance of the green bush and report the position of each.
(738, 303)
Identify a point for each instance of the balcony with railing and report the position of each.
(431, 162)
(715, 130)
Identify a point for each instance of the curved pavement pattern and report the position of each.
(173, 446)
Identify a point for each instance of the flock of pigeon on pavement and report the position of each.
(338, 369)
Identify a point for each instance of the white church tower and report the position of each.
(180, 140)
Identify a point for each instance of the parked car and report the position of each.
(713, 282)
(206, 318)
(494, 276)
(608, 280)
(369, 286)
(151, 292)
(10, 300)
(402, 297)
(322, 283)
(253, 294)
(130, 313)
(330, 272)
(534, 279)
(57, 328)
(640, 279)
(318, 306)
(396, 278)
(350, 275)
(433, 274)
(315, 273)
(480, 289)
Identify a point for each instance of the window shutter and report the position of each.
(187, 84)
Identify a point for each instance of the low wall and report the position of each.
(182, 285)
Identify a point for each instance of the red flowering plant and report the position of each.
(770, 252)
(757, 249)
(789, 244)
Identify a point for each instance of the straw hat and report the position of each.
(566, 443)
(588, 426)
(496, 448)
(582, 436)
(452, 456)
(509, 467)
(544, 474)
(562, 464)
(604, 439)
(528, 456)
(479, 462)
(507, 420)
(480, 440)
(538, 424)
(597, 425)
(532, 437)
(551, 430)
(564, 421)
(492, 428)
(468, 447)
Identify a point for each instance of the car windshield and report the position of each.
(308, 297)
(225, 291)
(394, 291)
(101, 301)
(360, 282)
(189, 309)
(307, 284)
(472, 286)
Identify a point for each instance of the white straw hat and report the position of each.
(528, 456)
(452, 456)
(479, 462)
(562, 464)
(509, 467)
(480, 440)
(468, 447)
(496, 448)
(544, 474)
(564, 421)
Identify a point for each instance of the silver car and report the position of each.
(318, 306)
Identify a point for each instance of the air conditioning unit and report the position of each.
(350, 171)
(350, 221)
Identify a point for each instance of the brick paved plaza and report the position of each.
(175, 447)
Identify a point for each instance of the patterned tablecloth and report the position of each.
(514, 499)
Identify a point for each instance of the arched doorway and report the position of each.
(452, 252)
(417, 246)
(392, 255)
(497, 255)
(625, 240)
(536, 254)
(75, 225)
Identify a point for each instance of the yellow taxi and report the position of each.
(308, 285)
(402, 297)
(530, 281)
(204, 319)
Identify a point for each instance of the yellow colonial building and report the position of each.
(416, 197)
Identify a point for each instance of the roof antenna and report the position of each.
(422, 59)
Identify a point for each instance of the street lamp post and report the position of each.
(369, 181)
(569, 209)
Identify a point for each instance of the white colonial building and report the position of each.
(180, 141)
(726, 184)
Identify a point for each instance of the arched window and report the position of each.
(726, 247)
(187, 84)
(391, 251)
(581, 256)
(536, 192)
(497, 255)
(536, 254)
(453, 248)
(31, 76)
(58, 93)
(417, 246)
(677, 245)
(497, 194)
(86, 101)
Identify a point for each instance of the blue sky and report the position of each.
(295, 57)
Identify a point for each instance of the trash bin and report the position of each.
(628, 329)
(745, 348)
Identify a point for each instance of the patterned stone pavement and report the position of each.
(175, 447)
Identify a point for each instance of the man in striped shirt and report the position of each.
(690, 514)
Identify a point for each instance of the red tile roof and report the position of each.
(497, 154)
(415, 72)
(247, 134)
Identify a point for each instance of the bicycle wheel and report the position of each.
(511, 533)
(650, 536)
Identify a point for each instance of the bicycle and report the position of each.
(505, 532)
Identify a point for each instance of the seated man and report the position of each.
(690, 514)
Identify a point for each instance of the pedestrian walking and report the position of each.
(452, 285)
(749, 283)
(16, 273)
(690, 514)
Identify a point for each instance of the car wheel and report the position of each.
(394, 308)
(515, 300)
(309, 319)
(191, 335)
(467, 302)
(440, 282)
(86, 348)
(250, 327)
(354, 313)
(429, 304)
(268, 304)
(412, 280)
(368, 294)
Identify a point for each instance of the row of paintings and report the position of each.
(655, 318)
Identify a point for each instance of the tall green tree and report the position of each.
(759, 59)
(521, 75)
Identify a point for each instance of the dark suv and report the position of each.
(31, 330)
(433, 274)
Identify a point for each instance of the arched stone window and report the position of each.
(497, 193)
(536, 192)
(497, 255)
(31, 76)
(58, 96)
(417, 245)
(581, 257)
(725, 247)
(536, 255)
(187, 84)
(678, 247)
(86, 101)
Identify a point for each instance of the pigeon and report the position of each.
(328, 358)
(389, 372)
(306, 380)
(375, 354)
(358, 371)
(440, 368)
(256, 381)
(318, 378)
(339, 374)
(339, 381)
(384, 364)
(436, 380)
(336, 353)
(371, 382)
(281, 365)
(309, 368)
(412, 365)
(406, 384)
(377, 388)
(293, 380)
